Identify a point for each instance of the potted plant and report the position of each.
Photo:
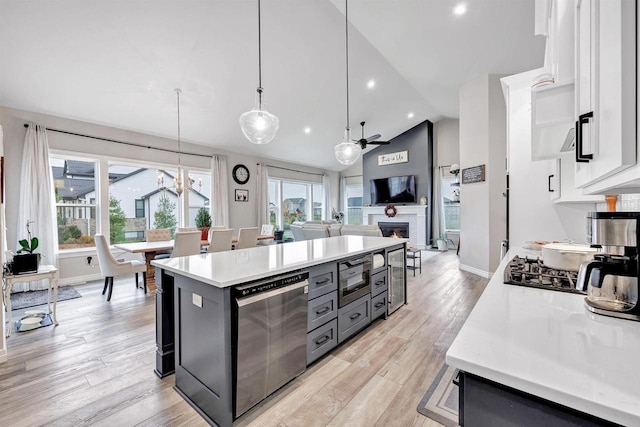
(454, 170)
(278, 235)
(26, 261)
(441, 243)
(203, 222)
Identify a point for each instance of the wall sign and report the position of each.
(393, 158)
(473, 174)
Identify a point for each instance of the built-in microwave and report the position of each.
(354, 279)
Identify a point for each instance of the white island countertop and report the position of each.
(228, 268)
(547, 344)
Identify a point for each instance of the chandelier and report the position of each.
(347, 152)
(178, 184)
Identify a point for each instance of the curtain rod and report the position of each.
(352, 176)
(292, 170)
(124, 142)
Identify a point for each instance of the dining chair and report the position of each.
(247, 237)
(158, 235)
(184, 229)
(110, 267)
(186, 243)
(221, 240)
(266, 230)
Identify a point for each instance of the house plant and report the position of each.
(278, 235)
(25, 261)
(203, 222)
(441, 243)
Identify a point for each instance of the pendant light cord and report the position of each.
(346, 27)
(259, 58)
(178, 98)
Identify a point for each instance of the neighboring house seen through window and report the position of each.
(291, 201)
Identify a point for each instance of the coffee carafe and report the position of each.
(611, 278)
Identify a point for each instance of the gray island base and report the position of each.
(234, 327)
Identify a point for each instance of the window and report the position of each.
(74, 186)
(199, 197)
(139, 208)
(450, 189)
(291, 201)
(353, 202)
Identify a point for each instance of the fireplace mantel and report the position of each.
(415, 215)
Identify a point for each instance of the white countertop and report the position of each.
(228, 268)
(547, 344)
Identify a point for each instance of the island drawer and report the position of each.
(322, 309)
(322, 340)
(322, 280)
(354, 317)
(378, 282)
(378, 305)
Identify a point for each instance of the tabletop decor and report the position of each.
(25, 261)
(203, 222)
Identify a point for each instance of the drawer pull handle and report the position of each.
(323, 310)
(323, 339)
(355, 316)
(380, 283)
(380, 304)
(322, 282)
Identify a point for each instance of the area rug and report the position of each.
(440, 403)
(20, 300)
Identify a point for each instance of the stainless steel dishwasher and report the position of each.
(270, 336)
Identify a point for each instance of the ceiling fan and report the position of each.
(371, 140)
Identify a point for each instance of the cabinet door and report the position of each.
(606, 87)
(553, 179)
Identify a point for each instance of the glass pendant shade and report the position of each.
(347, 152)
(258, 125)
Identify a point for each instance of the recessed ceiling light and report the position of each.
(410, 115)
(371, 84)
(307, 130)
(460, 9)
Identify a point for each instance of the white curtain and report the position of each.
(219, 191)
(262, 188)
(327, 206)
(37, 200)
(343, 192)
(437, 217)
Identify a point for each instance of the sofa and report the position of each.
(318, 229)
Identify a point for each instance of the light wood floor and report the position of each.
(96, 367)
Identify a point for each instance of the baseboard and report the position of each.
(79, 280)
(476, 271)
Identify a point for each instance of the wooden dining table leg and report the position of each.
(151, 271)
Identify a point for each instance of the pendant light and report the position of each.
(347, 152)
(258, 125)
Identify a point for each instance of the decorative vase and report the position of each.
(204, 233)
(278, 235)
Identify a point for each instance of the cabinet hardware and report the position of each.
(355, 316)
(380, 304)
(323, 339)
(379, 283)
(322, 282)
(582, 120)
(550, 190)
(323, 311)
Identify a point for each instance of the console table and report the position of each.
(44, 272)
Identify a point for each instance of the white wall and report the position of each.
(446, 135)
(241, 213)
(482, 142)
(532, 214)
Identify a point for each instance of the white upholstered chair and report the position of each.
(220, 240)
(186, 243)
(157, 234)
(266, 230)
(110, 267)
(184, 229)
(247, 237)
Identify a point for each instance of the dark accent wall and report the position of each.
(419, 142)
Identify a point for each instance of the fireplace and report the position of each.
(394, 229)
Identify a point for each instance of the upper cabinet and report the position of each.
(552, 92)
(605, 90)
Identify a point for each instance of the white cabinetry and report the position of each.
(561, 182)
(605, 89)
(553, 183)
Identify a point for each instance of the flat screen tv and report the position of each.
(395, 189)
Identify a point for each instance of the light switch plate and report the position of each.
(197, 300)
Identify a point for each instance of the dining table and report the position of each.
(151, 249)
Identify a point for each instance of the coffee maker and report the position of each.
(611, 278)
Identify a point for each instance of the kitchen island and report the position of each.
(528, 353)
(203, 300)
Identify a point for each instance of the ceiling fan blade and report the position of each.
(378, 142)
(373, 137)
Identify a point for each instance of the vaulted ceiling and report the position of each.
(118, 62)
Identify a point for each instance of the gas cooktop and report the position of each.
(533, 273)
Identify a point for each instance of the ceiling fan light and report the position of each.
(258, 125)
(347, 152)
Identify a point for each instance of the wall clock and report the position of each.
(240, 174)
